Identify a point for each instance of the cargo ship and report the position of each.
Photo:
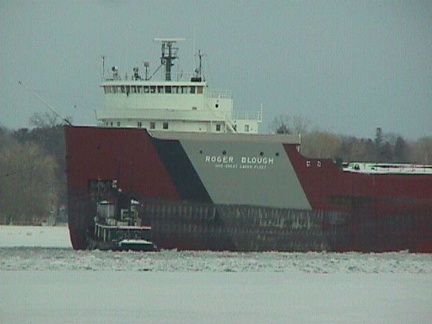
(172, 165)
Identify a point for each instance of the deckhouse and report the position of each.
(179, 103)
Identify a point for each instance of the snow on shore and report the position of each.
(36, 236)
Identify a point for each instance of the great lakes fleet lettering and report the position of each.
(243, 162)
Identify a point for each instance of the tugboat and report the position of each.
(118, 223)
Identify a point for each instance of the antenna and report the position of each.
(146, 66)
(169, 54)
(198, 71)
(46, 104)
(103, 67)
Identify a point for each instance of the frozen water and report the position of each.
(215, 297)
(42, 280)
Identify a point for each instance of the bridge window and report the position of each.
(152, 89)
(192, 89)
(168, 89)
(199, 90)
(160, 89)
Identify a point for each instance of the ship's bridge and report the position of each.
(184, 104)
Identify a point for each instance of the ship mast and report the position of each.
(169, 54)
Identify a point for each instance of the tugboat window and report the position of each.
(165, 125)
(152, 125)
(218, 127)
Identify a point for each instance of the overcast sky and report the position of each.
(348, 66)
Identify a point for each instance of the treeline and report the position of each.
(32, 177)
(384, 147)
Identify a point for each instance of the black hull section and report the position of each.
(192, 226)
(235, 228)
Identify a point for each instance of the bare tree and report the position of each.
(284, 124)
(321, 145)
(29, 190)
(300, 125)
(422, 151)
(47, 120)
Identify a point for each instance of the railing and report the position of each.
(230, 124)
(175, 76)
(219, 94)
(249, 115)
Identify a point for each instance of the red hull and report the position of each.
(363, 212)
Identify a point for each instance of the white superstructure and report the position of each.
(185, 104)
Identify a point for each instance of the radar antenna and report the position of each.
(198, 71)
(169, 54)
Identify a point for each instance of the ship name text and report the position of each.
(243, 162)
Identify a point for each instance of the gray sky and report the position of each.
(348, 66)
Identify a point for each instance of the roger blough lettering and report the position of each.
(243, 160)
(256, 160)
(219, 159)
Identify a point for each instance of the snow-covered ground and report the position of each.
(37, 236)
(42, 280)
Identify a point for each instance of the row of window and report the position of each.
(152, 125)
(154, 89)
(165, 125)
